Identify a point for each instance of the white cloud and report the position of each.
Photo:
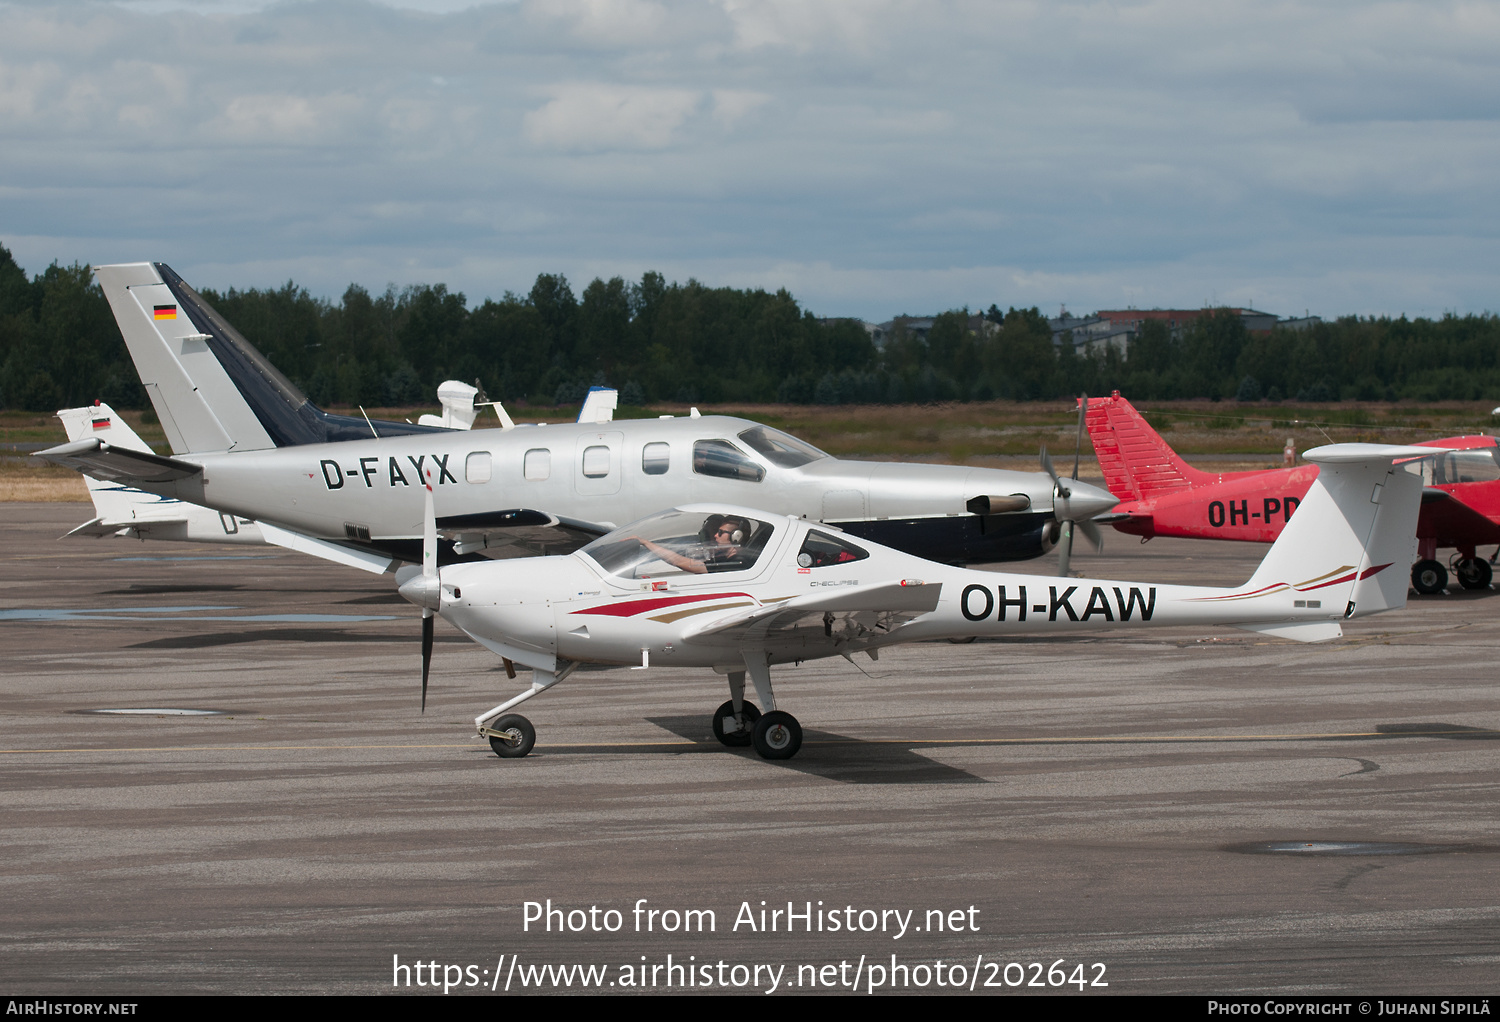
(594, 116)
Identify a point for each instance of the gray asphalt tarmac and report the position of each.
(1195, 812)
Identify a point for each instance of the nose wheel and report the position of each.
(735, 732)
(512, 736)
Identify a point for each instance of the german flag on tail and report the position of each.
(166, 312)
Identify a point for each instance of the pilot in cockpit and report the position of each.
(723, 547)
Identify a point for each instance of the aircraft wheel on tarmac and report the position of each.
(516, 737)
(735, 739)
(1473, 573)
(964, 641)
(1429, 577)
(777, 735)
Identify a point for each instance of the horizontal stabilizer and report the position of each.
(890, 598)
(1307, 631)
(354, 557)
(100, 527)
(93, 527)
(94, 457)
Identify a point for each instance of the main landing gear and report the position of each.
(1473, 572)
(739, 722)
(1428, 576)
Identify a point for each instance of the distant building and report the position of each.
(1176, 319)
(1090, 334)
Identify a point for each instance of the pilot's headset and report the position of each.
(715, 522)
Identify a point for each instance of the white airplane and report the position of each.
(738, 590)
(248, 443)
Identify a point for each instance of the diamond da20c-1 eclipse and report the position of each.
(739, 590)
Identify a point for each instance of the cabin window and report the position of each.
(656, 459)
(477, 467)
(819, 550)
(722, 459)
(538, 464)
(780, 448)
(596, 461)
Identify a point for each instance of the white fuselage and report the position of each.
(567, 607)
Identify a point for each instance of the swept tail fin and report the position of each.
(1354, 533)
(1138, 464)
(212, 390)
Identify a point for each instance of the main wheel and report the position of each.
(1429, 577)
(735, 739)
(516, 737)
(1473, 573)
(777, 735)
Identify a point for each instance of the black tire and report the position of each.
(1473, 573)
(1429, 577)
(518, 742)
(735, 739)
(777, 735)
(964, 641)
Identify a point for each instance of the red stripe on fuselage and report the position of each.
(634, 607)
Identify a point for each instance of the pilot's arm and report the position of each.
(672, 557)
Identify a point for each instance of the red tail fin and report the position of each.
(1137, 463)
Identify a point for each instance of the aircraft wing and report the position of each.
(94, 457)
(519, 532)
(858, 610)
(1453, 522)
(329, 550)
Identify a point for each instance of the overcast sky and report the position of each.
(872, 157)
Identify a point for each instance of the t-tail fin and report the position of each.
(1355, 532)
(211, 389)
(1138, 464)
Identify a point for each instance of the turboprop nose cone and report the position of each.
(1083, 502)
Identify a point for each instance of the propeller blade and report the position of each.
(480, 400)
(429, 533)
(1064, 548)
(1094, 535)
(426, 652)
(1083, 411)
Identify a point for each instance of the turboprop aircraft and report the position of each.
(739, 590)
(1162, 495)
(246, 442)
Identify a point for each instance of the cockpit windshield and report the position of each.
(682, 543)
(780, 448)
(1472, 466)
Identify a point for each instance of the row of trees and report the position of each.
(688, 342)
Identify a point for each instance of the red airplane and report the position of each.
(1162, 495)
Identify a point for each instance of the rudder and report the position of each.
(1137, 463)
